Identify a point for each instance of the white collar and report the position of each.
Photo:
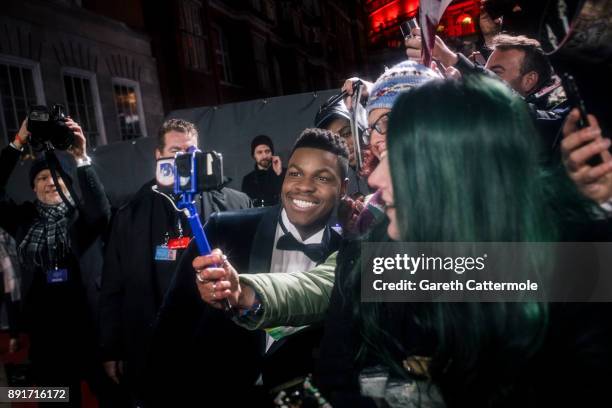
(316, 238)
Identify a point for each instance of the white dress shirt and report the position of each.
(292, 261)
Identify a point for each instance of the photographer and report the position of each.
(51, 236)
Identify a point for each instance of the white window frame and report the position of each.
(95, 95)
(36, 77)
(223, 52)
(136, 85)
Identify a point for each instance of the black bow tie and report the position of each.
(316, 252)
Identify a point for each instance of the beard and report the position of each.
(265, 163)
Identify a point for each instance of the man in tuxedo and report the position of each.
(291, 237)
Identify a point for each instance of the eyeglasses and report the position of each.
(380, 126)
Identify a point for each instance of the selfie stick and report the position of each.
(186, 205)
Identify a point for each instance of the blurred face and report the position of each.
(46, 190)
(507, 65)
(342, 127)
(378, 119)
(175, 141)
(380, 179)
(263, 156)
(311, 189)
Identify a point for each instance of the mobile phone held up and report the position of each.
(407, 26)
(576, 101)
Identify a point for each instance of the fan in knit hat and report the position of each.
(395, 80)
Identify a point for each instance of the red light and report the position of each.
(458, 20)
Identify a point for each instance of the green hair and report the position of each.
(465, 164)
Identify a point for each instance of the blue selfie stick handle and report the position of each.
(196, 227)
(186, 202)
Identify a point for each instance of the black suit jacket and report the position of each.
(132, 288)
(208, 337)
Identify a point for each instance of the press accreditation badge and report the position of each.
(163, 253)
(57, 275)
(179, 243)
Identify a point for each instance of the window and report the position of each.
(222, 56)
(261, 62)
(193, 40)
(297, 24)
(20, 88)
(129, 109)
(270, 10)
(83, 104)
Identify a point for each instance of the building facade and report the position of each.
(101, 70)
(213, 52)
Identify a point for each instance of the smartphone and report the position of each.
(407, 26)
(576, 101)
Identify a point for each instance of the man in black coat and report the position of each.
(51, 235)
(263, 184)
(292, 237)
(147, 239)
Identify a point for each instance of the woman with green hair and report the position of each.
(462, 165)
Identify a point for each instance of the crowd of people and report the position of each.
(456, 152)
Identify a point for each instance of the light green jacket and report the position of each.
(291, 299)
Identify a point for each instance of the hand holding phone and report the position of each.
(576, 101)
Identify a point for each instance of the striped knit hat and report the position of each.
(395, 80)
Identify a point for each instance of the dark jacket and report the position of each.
(548, 122)
(263, 186)
(570, 368)
(56, 315)
(199, 333)
(133, 286)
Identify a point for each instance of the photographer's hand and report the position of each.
(23, 136)
(577, 147)
(79, 148)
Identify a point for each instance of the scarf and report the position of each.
(46, 242)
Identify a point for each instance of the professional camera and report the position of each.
(48, 128)
(192, 172)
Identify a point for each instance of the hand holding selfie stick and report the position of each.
(186, 203)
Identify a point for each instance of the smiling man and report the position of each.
(282, 238)
(291, 237)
